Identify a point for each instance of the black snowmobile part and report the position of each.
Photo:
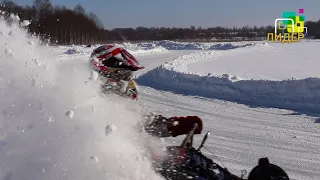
(158, 125)
(188, 140)
(267, 171)
(171, 171)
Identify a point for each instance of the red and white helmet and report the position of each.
(108, 57)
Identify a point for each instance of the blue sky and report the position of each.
(184, 13)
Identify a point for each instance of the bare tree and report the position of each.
(94, 18)
(43, 7)
(79, 9)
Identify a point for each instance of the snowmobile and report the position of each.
(186, 162)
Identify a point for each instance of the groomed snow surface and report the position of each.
(257, 99)
(277, 75)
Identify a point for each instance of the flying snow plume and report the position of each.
(53, 120)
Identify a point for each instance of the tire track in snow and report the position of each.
(244, 134)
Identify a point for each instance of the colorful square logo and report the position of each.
(296, 25)
(291, 22)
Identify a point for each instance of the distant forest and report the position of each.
(62, 25)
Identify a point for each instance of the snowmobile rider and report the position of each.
(116, 65)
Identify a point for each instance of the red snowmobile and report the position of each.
(186, 162)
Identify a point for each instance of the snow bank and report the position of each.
(141, 48)
(173, 45)
(156, 47)
(262, 62)
(296, 94)
(229, 46)
(53, 120)
(132, 48)
(292, 94)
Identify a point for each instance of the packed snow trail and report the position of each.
(241, 135)
(54, 124)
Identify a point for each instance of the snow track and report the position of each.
(241, 135)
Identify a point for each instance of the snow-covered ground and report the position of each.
(54, 124)
(269, 62)
(259, 74)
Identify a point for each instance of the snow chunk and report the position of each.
(235, 78)
(37, 62)
(70, 114)
(14, 17)
(94, 159)
(110, 128)
(30, 42)
(50, 119)
(9, 51)
(25, 23)
(226, 76)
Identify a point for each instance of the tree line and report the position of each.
(59, 24)
(62, 25)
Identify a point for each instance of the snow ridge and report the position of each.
(157, 47)
(295, 94)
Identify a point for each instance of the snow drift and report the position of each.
(295, 94)
(156, 47)
(132, 48)
(173, 45)
(54, 124)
